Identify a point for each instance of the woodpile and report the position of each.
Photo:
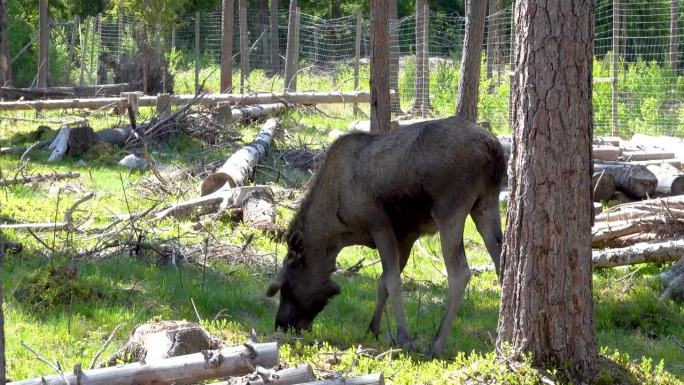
(181, 352)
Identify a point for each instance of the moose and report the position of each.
(384, 191)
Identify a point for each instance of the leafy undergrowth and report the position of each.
(64, 304)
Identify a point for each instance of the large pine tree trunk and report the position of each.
(469, 82)
(546, 295)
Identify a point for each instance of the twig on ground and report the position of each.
(104, 346)
(55, 367)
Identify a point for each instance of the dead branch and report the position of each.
(39, 178)
(67, 224)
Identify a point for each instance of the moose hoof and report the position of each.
(374, 329)
(405, 342)
(436, 348)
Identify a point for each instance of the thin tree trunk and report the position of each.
(394, 53)
(227, 25)
(674, 34)
(380, 95)
(546, 296)
(469, 82)
(491, 37)
(244, 45)
(44, 31)
(420, 73)
(290, 63)
(4, 46)
(275, 41)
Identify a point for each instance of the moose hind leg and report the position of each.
(404, 253)
(458, 275)
(487, 218)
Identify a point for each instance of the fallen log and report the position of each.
(369, 379)
(207, 100)
(241, 164)
(290, 376)
(63, 92)
(606, 141)
(605, 153)
(603, 186)
(227, 115)
(670, 180)
(224, 198)
(673, 279)
(234, 361)
(639, 253)
(630, 178)
(667, 143)
(259, 208)
(39, 178)
(642, 155)
(676, 163)
(635, 222)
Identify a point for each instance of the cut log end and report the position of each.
(215, 182)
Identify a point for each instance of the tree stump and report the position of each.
(164, 339)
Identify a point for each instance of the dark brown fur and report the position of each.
(383, 191)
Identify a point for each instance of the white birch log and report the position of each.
(369, 379)
(237, 169)
(226, 197)
(235, 361)
(639, 253)
(60, 144)
(290, 376)
(670, 180)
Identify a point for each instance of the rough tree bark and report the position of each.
(469, 82)
(2, 314)
(546, 296)
(380, 95)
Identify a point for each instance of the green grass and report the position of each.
(66, 315)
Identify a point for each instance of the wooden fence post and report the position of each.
(615, 131)
(244, 45)
(357, 56)
(173, 37)
(426, 59)
(83, 42)
(420, 74)
(44, 40)
(72, 43)
(197, 51)
(380, 113)
(290, 64)
(275, 41)
(227, 27)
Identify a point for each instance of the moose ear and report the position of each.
(273, 288)
(296, 242)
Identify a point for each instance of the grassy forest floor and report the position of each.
(64, 304)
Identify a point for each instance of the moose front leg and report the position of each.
(404, 253)
(386, 242)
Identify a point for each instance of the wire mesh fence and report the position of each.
(637, 70)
